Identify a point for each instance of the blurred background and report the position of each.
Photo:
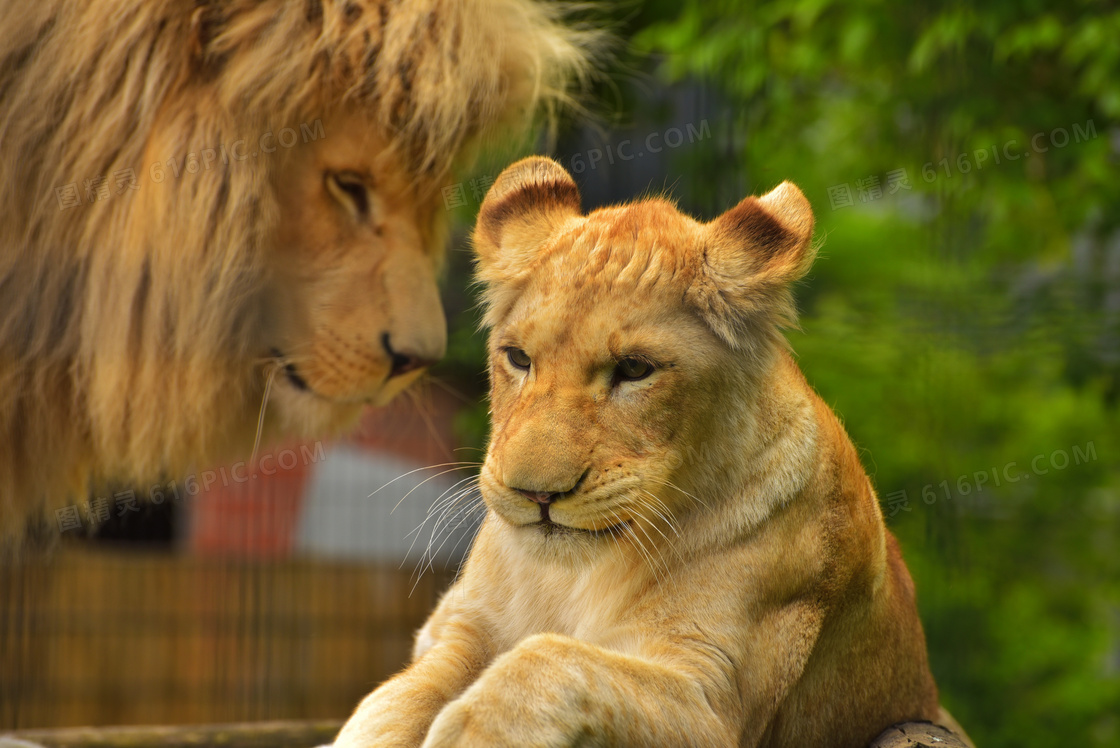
(963, 319)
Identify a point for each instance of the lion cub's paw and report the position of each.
(468, 724)
(389, 727)
(457, 726)
(523, 699)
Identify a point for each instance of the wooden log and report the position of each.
(309, 734)
(244, 735)
(918, 735)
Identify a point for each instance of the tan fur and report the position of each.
(136, 333)
(716, 571)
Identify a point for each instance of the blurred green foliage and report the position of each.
(964, 323)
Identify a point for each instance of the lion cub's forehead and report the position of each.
(644, 244)
(609, 280)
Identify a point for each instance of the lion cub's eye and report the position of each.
(632, 369)
(519, 358)
(349, 189)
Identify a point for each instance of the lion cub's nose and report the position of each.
(541, 497)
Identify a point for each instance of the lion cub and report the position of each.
(681, 548)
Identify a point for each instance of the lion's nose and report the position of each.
(541, 497)
(402, 362)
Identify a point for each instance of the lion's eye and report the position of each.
(519, 358)
(349, 189)
(633, 369)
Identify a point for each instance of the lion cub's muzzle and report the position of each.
(542, 498)
(545, 500)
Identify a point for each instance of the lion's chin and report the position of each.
(554, 524)
(395, 386)
(557, 543)
(302, 413)
(299, 409)
(549, 528)
(565, 546)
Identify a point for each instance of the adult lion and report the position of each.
(681, 547)
(199, 194)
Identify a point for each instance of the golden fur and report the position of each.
(137, 331)
(684, 555)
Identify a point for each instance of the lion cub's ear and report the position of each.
(523, 207)
(754, 252)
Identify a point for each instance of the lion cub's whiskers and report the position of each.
(663, 511)
(656, 565)
(460, 466)
(417, 470)
(665, 516)
(453, 504)
(443, 504)
(464, 513)
(675, 487)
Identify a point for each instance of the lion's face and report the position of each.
(354, 308)
(598, 380)
(621, 343)
(166, 246)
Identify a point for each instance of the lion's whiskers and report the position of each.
(672, 546)
(264, 408)
(460, 466)
(440, 507)
(442, 504)
(425, 407)
(450, 511)
(665, 516)
(675, 487)
(425, 467)
(457, 505)
(663, 511)
(655, 565)
(463, 513)
(660, 565)
(617, 520)
(427, 562)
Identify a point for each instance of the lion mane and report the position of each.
(129, 325)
